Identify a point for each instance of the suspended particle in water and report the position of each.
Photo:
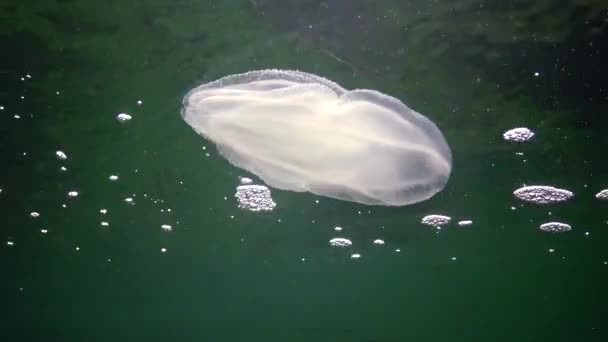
(103, 211)
(139, 102)
(34, 214)
(436, 220)
(355, 256)
(378, 242)
(520, 134)
(61, 155)
(73, 194)
(542, 194)
(166, 227)
(338, 229)
(123, 117)
(163, 250)
(105, 224)
(340, 242)
(555, 227)
(63, 169)
(10, 243)
(465, 223)
(113, 178)
(129, 200)
(44, 231)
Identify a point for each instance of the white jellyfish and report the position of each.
(301, 132)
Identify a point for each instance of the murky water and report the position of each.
(119, 223)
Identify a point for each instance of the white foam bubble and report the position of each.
(254, 198)
(61, 155)
(465, 223)
(555, 227)
(340, 242)
(520, 134)
(542, 194)
(123, 117)
(602, 195)
(436, 220)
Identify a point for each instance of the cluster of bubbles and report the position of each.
(344, 242)
(543, 194)
(62, 156)
(254, 197)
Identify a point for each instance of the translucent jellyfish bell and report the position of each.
(301, 132)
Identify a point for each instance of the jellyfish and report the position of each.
(301, 132)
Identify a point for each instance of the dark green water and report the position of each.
(234, 275)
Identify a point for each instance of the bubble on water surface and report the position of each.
(555, 227)
(435, 220)
(542, 194)
(340, 242)
(520, 134)
(254, 198)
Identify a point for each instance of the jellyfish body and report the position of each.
(301, 132)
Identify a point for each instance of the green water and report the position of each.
(232, 275)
